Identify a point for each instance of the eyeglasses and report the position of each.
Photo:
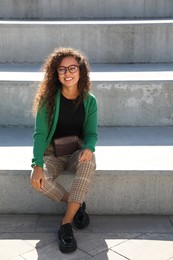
(72, 69)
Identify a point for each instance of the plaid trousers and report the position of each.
(54, 166)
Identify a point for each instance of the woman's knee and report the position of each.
(90, 164)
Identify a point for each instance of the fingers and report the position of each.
(41, 183)
(37, 180)
(86, 155)
(36, 184)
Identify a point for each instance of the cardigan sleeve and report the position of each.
(90, 124)
(40, 137)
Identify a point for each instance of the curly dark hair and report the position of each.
(46, 93)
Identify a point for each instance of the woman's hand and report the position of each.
(37, 178)
(86, 155)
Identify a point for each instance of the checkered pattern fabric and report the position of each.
(54, 166)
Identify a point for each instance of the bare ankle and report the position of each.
(66, 221)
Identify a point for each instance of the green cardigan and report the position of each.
(42, 137)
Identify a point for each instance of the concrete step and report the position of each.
(132, 41)
(134, 173)
(88, 9)
(134, 94)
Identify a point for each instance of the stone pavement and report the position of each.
(132, 237)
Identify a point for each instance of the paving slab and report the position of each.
(37, 239)
(52, 252)
(49, 223)
(95, 243)
(148, 246)
(108, 255)
(17, 258)
(130, 224)
(105, 242)
(18, 223)
(10, 247)
(171, 219)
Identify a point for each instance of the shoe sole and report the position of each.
(65, 249)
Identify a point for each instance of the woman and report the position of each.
(65, 108)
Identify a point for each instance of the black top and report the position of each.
(71, 118)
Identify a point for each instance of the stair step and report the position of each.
(132, 41)
(89, 9)
(134, 94)
(143, 148)
(31, 72)
(133, 175)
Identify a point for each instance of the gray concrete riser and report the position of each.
(77, 9)
(120, 43)
(110, 193)
(124, 103)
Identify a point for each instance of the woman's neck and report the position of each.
(70, 93)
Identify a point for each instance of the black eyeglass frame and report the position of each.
(68, 68)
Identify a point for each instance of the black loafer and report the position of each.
(67, 243)
(81, 219)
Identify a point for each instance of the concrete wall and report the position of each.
(89, 9)
(116, 41)
(135, 103)
(16, 103)
(119, 103)
(116, 192)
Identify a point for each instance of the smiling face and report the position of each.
(70, 78)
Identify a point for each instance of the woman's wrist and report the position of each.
(37, 167)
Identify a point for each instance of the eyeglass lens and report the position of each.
(71, 69)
